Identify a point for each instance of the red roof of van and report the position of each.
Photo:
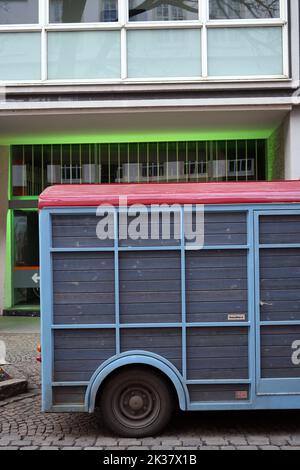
(171, 193)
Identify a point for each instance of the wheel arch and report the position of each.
(131, 359)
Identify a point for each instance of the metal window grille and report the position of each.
(34, 167)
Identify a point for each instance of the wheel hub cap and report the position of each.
(136, 403)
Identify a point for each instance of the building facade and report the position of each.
(115, 91)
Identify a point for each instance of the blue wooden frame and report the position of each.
(264, 394)
(287, 386)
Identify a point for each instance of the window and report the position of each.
(143, 10)
(245, 51)
(244, 9)
(19, 11)
(164, 53)
(20, 56)
(25, 275)
(83, 11)
(84, 55)
(124, 41)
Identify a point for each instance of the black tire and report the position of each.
(136, 403)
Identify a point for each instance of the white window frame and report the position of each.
(123, 25)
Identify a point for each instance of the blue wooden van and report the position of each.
(138, 327)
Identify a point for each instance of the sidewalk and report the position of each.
(19, 325)
(21, 337)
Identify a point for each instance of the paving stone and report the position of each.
(9, 448)
(71, 448)
(116, 449)
(135, 448)
(29, 448)
(103, 441)
(191, 442)
(215, 441)
(186, 448)
(21, 443)
(151, 442)
(294, 441)
(237, 441)
(279, 440)
(49, 448)
(269, 448)
(290, 448)
(247, 448)
(172, 443)
(130, 442)
(258, 440)
(209, 448)
(5, 442)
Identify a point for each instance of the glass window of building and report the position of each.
(20, 56)
(244, 9)
(35, 167)
(25, 258)
(84, 55)
(245, 51)
(149, 40)
(83, 11)
(159, 53)
(180, 10)
(19, 12)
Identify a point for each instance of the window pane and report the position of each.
(20, 56)
(83, 11)
(245, 51)
(84, 55)
(244, 9)
(181, 10)
(164, 53)
(19, 12)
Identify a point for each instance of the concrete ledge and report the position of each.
(12, 387)
(21, 313)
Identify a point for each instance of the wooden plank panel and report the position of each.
(69, 395)
(218, 393)
(280, 229)
(280, 285)
(77, 231)
(227, 228)
(277, 351)
(149, 293)
(165, 342)
(213, 291)
(212, 353)
(81, 352)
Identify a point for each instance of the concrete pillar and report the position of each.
(292, 145)
(4, 171)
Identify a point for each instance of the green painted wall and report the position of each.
(146, 136)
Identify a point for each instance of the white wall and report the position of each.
(4, 164)
(292, 145)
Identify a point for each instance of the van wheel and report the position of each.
(136, 403)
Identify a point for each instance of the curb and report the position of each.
(12, 387)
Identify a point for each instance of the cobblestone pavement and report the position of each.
(21, 354)
(23, 426)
